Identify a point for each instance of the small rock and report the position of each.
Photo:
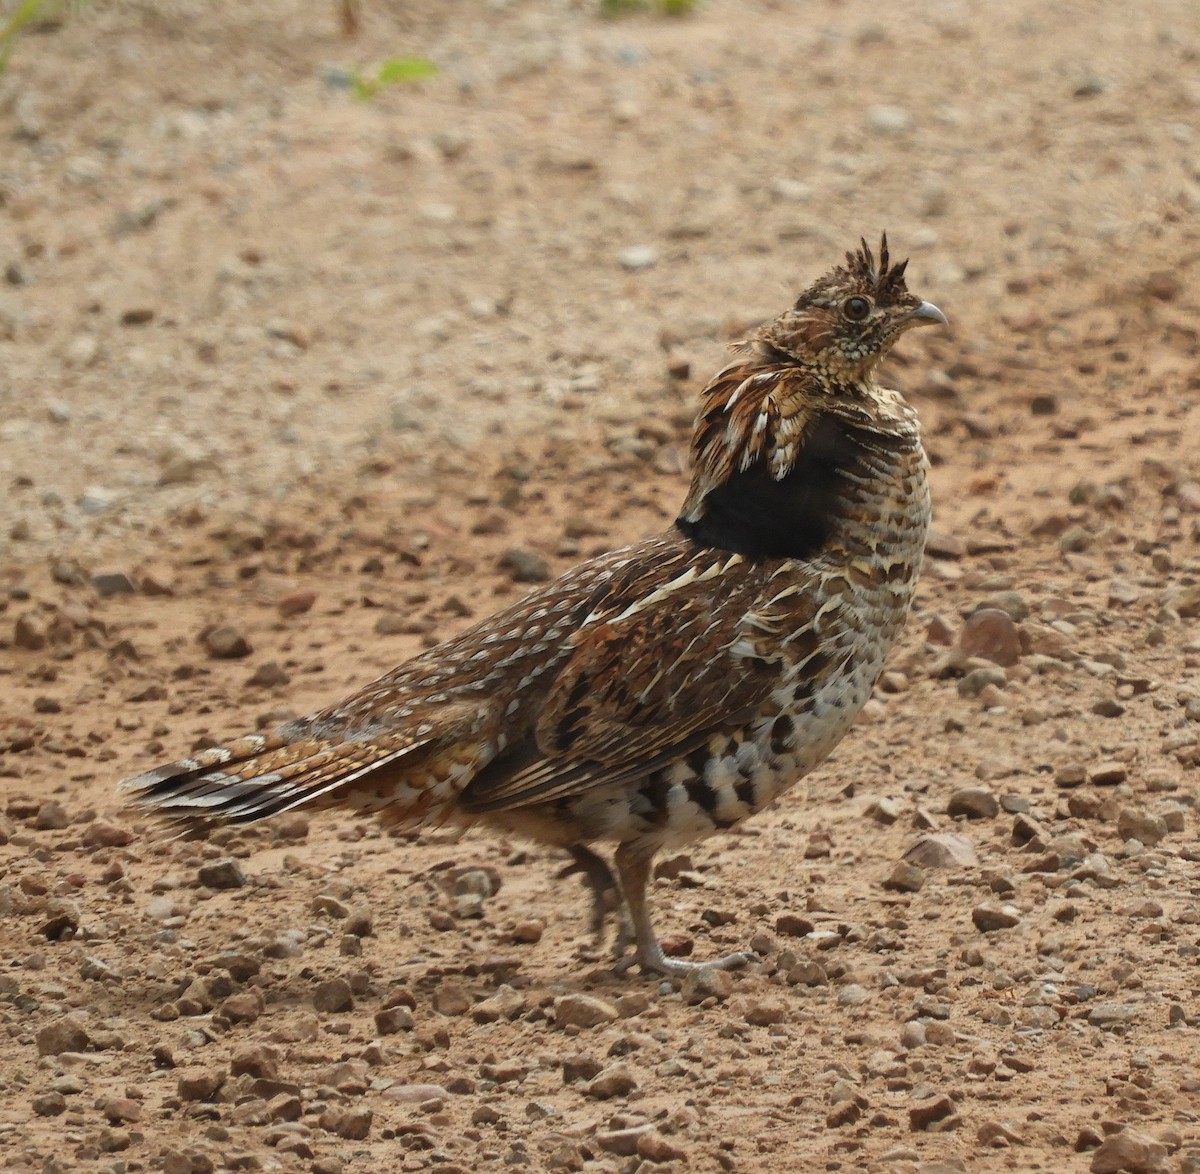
(415, 1094)
(889, 120)
(268, 675)
(108, 583)
(389, 1020)
(705, 983)
(942, 850)
(222, 874)
(990, 634)
(925, 1113)
(991, 916)
(353, 1124)
(1106, 774)
(1112, 1014)
(199, 1084)
(1129, 1152)
(258, 1060)
(792, 925)
(853, 994)
(49, 1104)
(766, 1012)
(978, 680)
(905, 877)
(639, 257)
(1135, 824)
(157, 580)
(525, 566)
(451, 999)
(506, 1003)
(67, 1034)
(583, 1011)
(529, 932)
(333, 996)
(29, 632)
(119, 1110)
(1071, 774)
(973, 803)
(655, 1148)
(225, 643)
(622, 1142)
(617, 1080)
(295, 603)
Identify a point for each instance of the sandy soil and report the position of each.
(335, 375)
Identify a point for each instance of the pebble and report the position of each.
(1112, 1014)
(49, 1104)
(930, 1111)
(525, 566)
(973, 803)
(905, 877)
(623, 1142)
(766, 1012)
(268, 675)
(705, 983)
(1133, 823)
(885, 811)
(199, 1084)
(617, 1080)
(157, 580)
(583, 1011)
(120, 1110)
(655, 1148)
(889, 120)
(225, 643)
(333, 996)
(793, 925)
(853, 994)
(942, 850)
(109, 583)
(353, 1124)
(529, 932)
(29, 633)
(977, 680)
(1070, 774)
(451, 999)
(389, 1020)
(67, 1034)
(415, 1094)
(1129, 1152)
(506, 1003)
(991, 634)
(639, 257)
(295, 603)
(990, 916)
(1106, 774)
(221, 874)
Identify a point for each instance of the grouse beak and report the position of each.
(927, 314)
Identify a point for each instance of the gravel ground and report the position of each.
(294, 385)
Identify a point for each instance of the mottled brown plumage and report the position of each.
(673, 687)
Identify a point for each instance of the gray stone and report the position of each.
(222, 874)
(973, 803)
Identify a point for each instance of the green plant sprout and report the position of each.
(612, 9)
(393, 71)
(31, 13)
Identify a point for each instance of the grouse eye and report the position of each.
(856, 308)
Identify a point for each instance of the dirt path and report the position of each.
(312, 369)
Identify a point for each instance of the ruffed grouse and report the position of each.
(671, 688)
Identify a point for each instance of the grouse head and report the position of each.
(847, 320)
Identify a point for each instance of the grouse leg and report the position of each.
(633, 867)
(606, 894)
